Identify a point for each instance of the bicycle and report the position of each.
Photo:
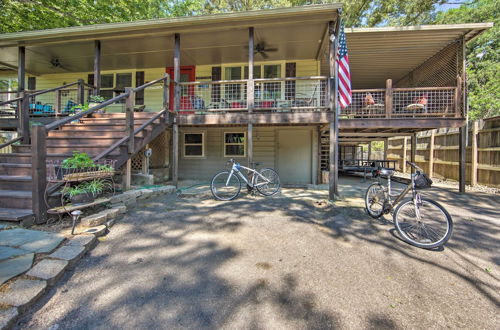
(419, 221)
(226, 185)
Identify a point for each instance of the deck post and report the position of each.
(386, 147)
(58, 103)
(369, 151)
(21, 69)
(166, 97)
(458, 98)
(405, 146)
(24, 117)
(474, 156)
(129, 118)
(462, 159)
(177, 105)
(127, 177)
(81, 92)
(39, 172)
(250, 94)
(413, 147)
(333, 106)
(388, 98)
(97, 67)
(430, 172)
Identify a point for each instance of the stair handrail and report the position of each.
(8, 143)
(64, 121)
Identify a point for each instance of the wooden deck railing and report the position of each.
(300, 94)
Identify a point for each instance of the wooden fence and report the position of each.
(437, 152)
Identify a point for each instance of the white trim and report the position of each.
(224, 144)
(193, 144)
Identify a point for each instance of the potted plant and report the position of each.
(79, 162)
(96, 186)
(78, 194)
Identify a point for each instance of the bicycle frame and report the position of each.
(400, 196)
(235, 169)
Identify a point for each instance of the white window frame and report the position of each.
(224, 144)
(184, 144)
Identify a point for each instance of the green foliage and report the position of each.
(483, 56)
(96, 99)
(78, 160)
(96, 186)
(75, 190)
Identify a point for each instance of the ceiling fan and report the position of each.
(262, 49)
(56, 64)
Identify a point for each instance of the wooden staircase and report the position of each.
(93, 135)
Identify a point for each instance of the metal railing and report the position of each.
(278, 94)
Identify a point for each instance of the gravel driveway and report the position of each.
(288, 262)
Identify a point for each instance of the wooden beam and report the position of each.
(386, 146)
(388, 98)
(431, 154)
(177, 72)
(39, 172)
(405, 146)
(81, 92)
(127, 177)
(250, 94)
(23, 127)
(21, 69)
(175, 154)
(97, 67)
(333, 106)
(129, 119)
(462, 158)
(402, 123)
(250, 143)
(474, 155)
(369, 150)
(413, 148)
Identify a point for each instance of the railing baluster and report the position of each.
(129, 109)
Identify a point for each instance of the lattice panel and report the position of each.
(137, 161)
(160, 148)
(440, 70)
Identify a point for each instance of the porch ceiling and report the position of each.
(377, 54)
(297, 33)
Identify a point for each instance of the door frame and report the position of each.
(170, 71)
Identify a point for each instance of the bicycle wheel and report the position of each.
(374, 200)
(225, 188)
(268, 182)
(427, 225)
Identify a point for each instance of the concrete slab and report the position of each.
(49, 270)
(7, 317)
(22, 293)
(7, 252)
(12, 267)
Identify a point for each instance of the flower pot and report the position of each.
(82, 198)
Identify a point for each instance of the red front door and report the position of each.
(187, 74)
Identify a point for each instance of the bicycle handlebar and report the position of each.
(415, 166)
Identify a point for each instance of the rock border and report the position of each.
(23, 291)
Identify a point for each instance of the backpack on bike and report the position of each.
(422, 181)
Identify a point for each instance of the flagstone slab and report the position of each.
(10, 268)
(22, 292)
(7, 317)
(70, 253)
(49, 270)
(31, 240)
(7, 252)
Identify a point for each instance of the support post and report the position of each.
(21, 69)
(39, 172)
(430, 172)
(369, 151)
(177, 105)
(250, 94)
(129, 113)
(474, 155)
(97, 67)
(127, 177)
(24, 117)
(413, 147)
(405, 146)
(388, 98)
(386, 147)
(458, 98)
(166, 97)
(333, 106)
(462, 159)
(81, 92)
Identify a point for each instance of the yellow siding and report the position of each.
(153, 95)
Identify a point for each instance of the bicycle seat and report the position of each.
(386, 172)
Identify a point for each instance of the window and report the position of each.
(31, 83)
(194, 145)
(139, 81)
(232, 91)
(234, 144)
(272, 90)
(112, 84)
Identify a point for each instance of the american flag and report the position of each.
(345, 94)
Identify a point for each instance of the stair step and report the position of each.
(90, 149)
(16, 215)
(20, 182)
(15, 169)
(123, 115)
(18, 199)
(93, 133)
(79, 141)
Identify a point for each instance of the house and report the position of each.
(253, 86)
